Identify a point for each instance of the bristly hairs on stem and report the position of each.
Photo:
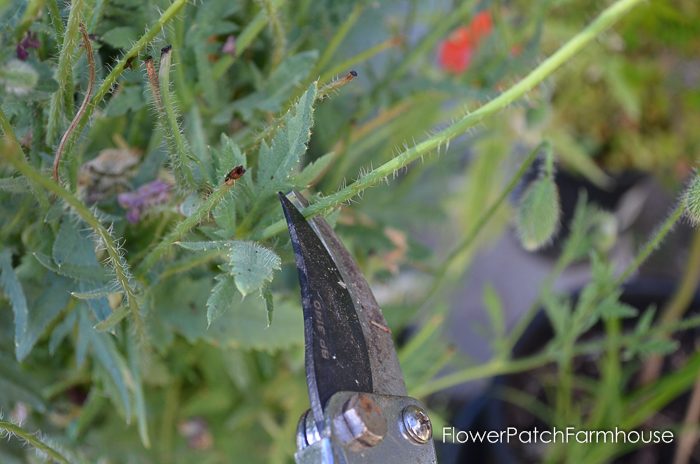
(334, 86)
(603, 22)
(34, 440)
(62, 100)
(119, 67)
(181, 156)
(83, 106)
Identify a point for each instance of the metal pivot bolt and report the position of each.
(416, 424)
(361, 424)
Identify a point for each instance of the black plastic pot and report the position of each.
(491, 412)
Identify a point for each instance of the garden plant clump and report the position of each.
(149, 309)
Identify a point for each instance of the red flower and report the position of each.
(455, 53)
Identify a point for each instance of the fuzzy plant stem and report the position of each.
(31, 439)
(181, 229)
(112, 77)
(62, 99)
(653, 242)
(56, 21)
(180, 150)
(116, 259)
(603, 22)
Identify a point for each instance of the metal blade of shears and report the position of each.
(348, 345)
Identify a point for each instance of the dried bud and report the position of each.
(537, 218)
(692, 201)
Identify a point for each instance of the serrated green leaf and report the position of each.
(277, 161)
(14, 292)
(616, 310)
(222, 299)
(252, 266)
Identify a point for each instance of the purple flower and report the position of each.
(229, 46)
(29, 41)
(147, 196)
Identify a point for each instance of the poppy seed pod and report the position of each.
(537, 216)
(692, 201)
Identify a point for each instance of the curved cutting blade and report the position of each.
(348, 345)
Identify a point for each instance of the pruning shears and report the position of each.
(360, 411)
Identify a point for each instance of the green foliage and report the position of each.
(149, 308)
(538, 214)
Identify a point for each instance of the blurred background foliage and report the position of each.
(214, 370)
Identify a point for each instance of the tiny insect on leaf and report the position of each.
(234, 174)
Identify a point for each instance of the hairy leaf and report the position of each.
(277, 161)
(252, 266)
